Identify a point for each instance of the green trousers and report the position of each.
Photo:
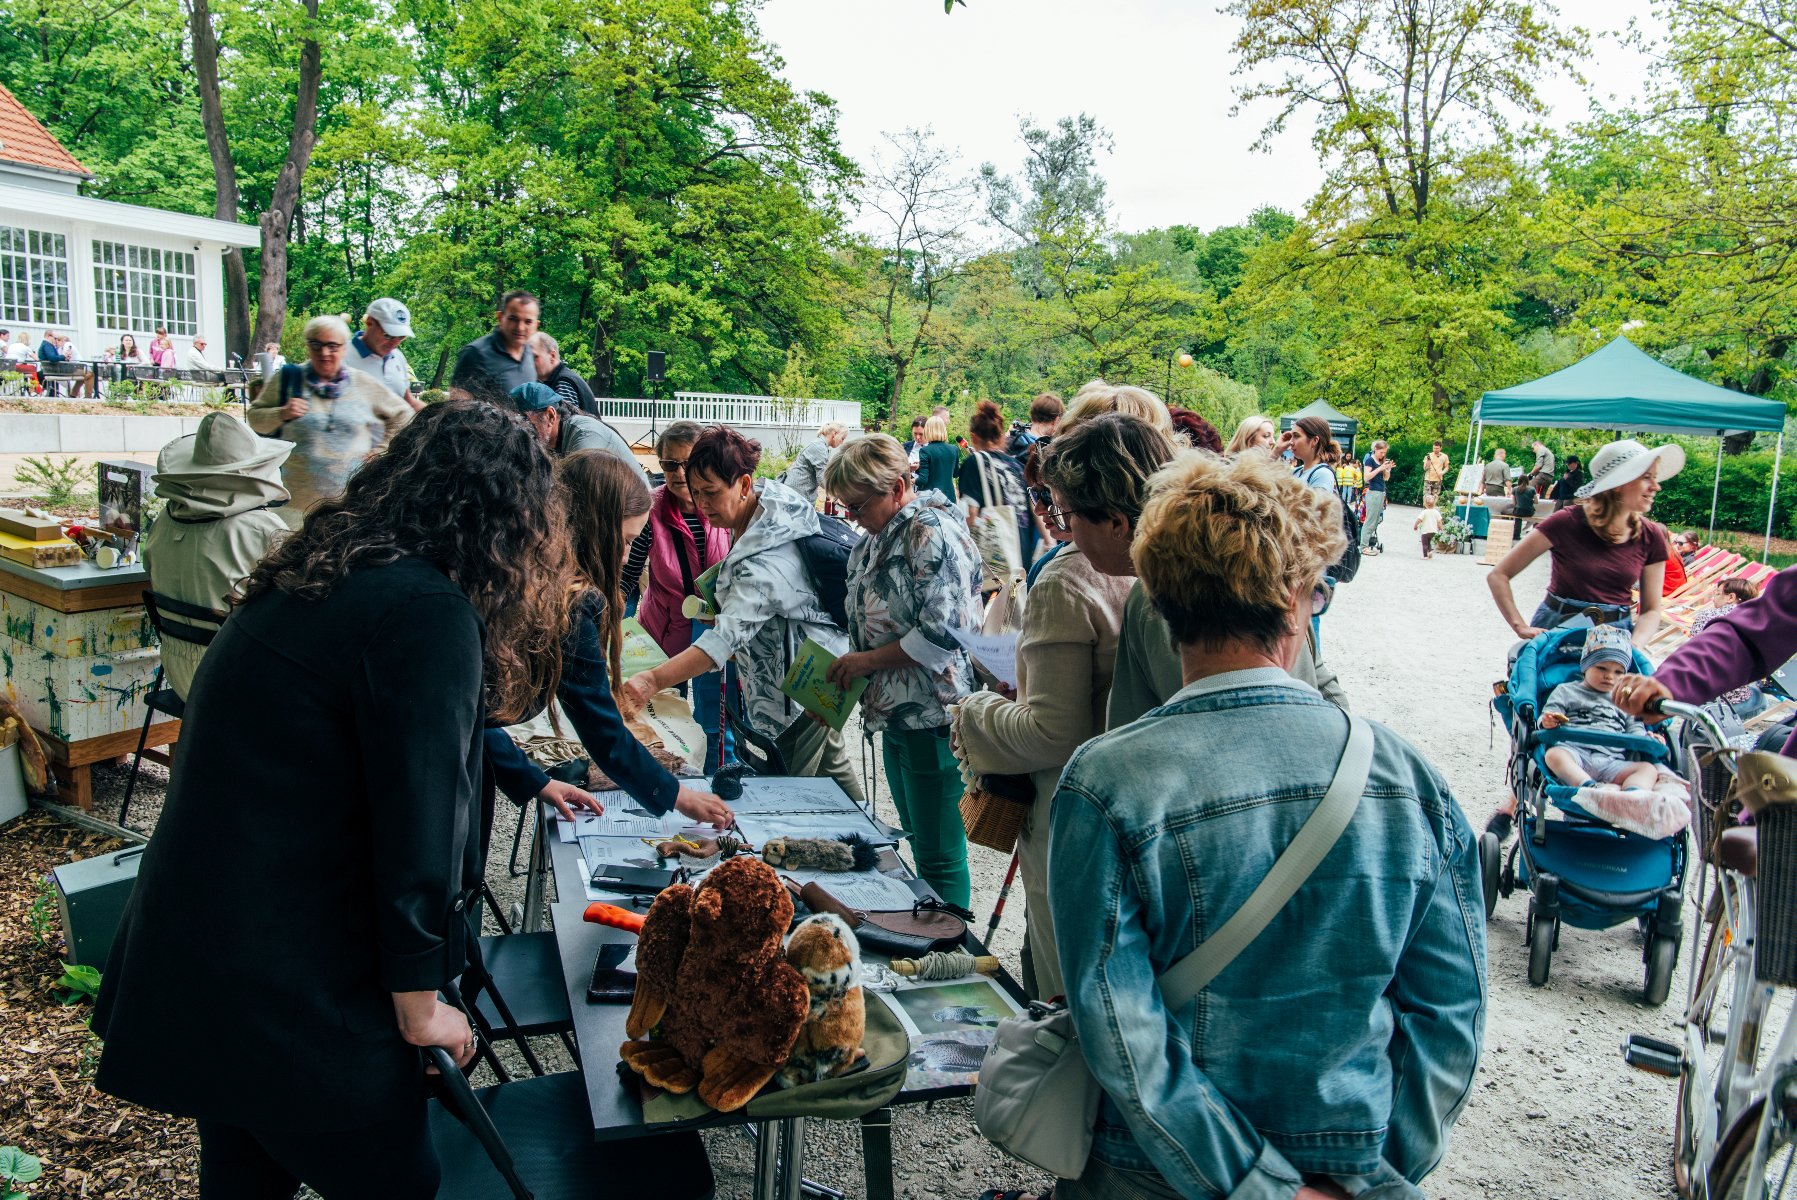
(926, 788)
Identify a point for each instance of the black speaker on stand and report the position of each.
(656, 373)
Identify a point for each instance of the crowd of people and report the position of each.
(410, 581)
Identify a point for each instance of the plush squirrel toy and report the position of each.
(849, 853)
(823, 950)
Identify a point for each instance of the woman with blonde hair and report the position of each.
(1099, 397)
(912, 584)
(1280, 1078)
(937, 460)
(1254, 433)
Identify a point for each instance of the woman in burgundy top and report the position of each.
(1604, 547)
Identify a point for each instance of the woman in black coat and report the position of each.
(607, 505)
(305, 894)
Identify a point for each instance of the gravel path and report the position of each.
(1555, 1112)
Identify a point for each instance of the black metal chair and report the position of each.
(532, 1139)
(194, 624)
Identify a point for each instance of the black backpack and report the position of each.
(1348, 565)
(826, 558)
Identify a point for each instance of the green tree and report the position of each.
(1406, 242)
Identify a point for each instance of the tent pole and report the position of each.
(1478, 445)
(1716, 492)
(1777, 458)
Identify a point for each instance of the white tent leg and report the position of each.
(1478, 444)
(1777, 459)
(1716, 492)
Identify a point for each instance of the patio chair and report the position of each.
(752, 746)
(171, 618)
(532, 1139)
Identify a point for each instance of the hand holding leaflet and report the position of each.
(808, 683)
(997, 652)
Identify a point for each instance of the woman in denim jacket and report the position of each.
(1333, 1054)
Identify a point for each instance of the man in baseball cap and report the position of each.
(564, 428)
(375, 350)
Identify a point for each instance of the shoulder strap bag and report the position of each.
(995, 529)
(1038, 1100)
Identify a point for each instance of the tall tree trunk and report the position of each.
(271, 306)
(224, 175)
(1440, 403)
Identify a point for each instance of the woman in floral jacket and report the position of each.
(912, 580)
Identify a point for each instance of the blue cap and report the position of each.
(533, 397)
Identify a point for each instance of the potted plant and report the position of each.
(1455, 532)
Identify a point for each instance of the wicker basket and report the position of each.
(1775, 948)
(993, 820)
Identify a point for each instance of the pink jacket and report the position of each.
(162, 356)
(665, 587)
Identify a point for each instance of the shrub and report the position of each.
(59, 483)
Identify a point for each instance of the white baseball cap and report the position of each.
(391, 316)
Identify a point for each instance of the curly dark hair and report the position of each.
(601, 491)
(468, 488)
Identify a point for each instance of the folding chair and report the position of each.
(532, 1139)
(171, 618)
(754, 747)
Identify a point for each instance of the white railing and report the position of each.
(714, 408)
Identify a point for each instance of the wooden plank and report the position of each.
(93, 750)
(37, 529)
(1498, 539)
(75, 600)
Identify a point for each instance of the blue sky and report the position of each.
(1156, 73)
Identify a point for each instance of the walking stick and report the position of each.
(998, 910)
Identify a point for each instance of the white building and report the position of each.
(95, 269)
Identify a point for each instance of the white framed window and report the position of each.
(34, 277)
(138, 289)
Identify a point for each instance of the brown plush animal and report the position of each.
(823, 949)
(711, 981)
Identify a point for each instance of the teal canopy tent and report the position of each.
(1621, 388)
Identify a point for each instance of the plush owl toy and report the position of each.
(824, 951)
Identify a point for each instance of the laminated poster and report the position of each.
(808, 684)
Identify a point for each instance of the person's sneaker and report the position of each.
(1501, 824)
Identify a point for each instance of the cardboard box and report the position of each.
(32, 529)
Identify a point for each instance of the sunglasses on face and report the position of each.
(1320, 598)
(673, 466)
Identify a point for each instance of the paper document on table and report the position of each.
(997, 652)
(615, 820)
(869, 891)
(792, 794)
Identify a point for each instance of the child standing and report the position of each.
(1587, 704)
(1428, 523)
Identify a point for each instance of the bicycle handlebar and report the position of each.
(1703, 720)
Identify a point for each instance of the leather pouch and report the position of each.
(925, 926)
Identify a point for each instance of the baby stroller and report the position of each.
(1579, 870)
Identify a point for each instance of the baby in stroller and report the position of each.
(1586, 703)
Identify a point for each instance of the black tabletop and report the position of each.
(617, 1111)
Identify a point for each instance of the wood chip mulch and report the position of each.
(91, 1144)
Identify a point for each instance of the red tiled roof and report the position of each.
(23, 139)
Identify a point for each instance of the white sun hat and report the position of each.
(1628, 460)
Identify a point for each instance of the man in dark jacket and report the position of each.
(490, 367)
(557, 374)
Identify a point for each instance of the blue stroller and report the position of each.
(1578, 869)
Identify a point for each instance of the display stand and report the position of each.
(1498, 540)
(81, 656)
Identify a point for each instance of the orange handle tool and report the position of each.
(617, 918)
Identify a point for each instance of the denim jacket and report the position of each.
(1342, 1042)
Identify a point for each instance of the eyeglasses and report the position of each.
(315, 344)
(1042, 496)
(1320, 598)
(1058, 517)
(673, 466)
